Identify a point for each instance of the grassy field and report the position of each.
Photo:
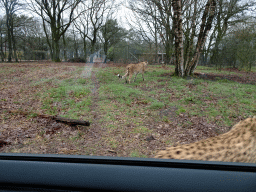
(128, 120)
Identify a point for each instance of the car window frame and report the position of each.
(79, 172)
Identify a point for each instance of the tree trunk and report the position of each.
(177, 22)
(204, 30)
(8, 21)
(48, 39)
(85, 48)
(2, 51)
(156, 41)
(15, 51)
(167, 51)
(209, 45)
(169, 41)
(93, 42)
(190, 41)
(64, 47)
(56, 49)
(105, 51)
(14, 43)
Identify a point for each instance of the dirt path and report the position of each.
(95, 129)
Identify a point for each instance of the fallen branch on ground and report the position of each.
(71, 122)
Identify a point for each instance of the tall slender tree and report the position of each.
(1, 39)
(177, 22)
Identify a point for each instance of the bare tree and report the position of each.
(52, 13)
(146, 22)
(82, 25)
(98, 8)
(166, 26)
(227, 15)
(238, 48)
(191, 12)
(75, 41)
(31, 41)
(90, 23)
(10, 6)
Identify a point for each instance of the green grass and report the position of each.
(156, 105)
(136, 153)
(71, 95)
(207, 98)
(141, 129)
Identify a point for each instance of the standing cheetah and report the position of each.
(134, 69)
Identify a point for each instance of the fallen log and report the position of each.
(71, 122)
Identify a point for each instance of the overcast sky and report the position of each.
(124, 14)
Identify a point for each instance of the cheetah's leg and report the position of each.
(130, 77)
(142, 75)
(136, 76)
